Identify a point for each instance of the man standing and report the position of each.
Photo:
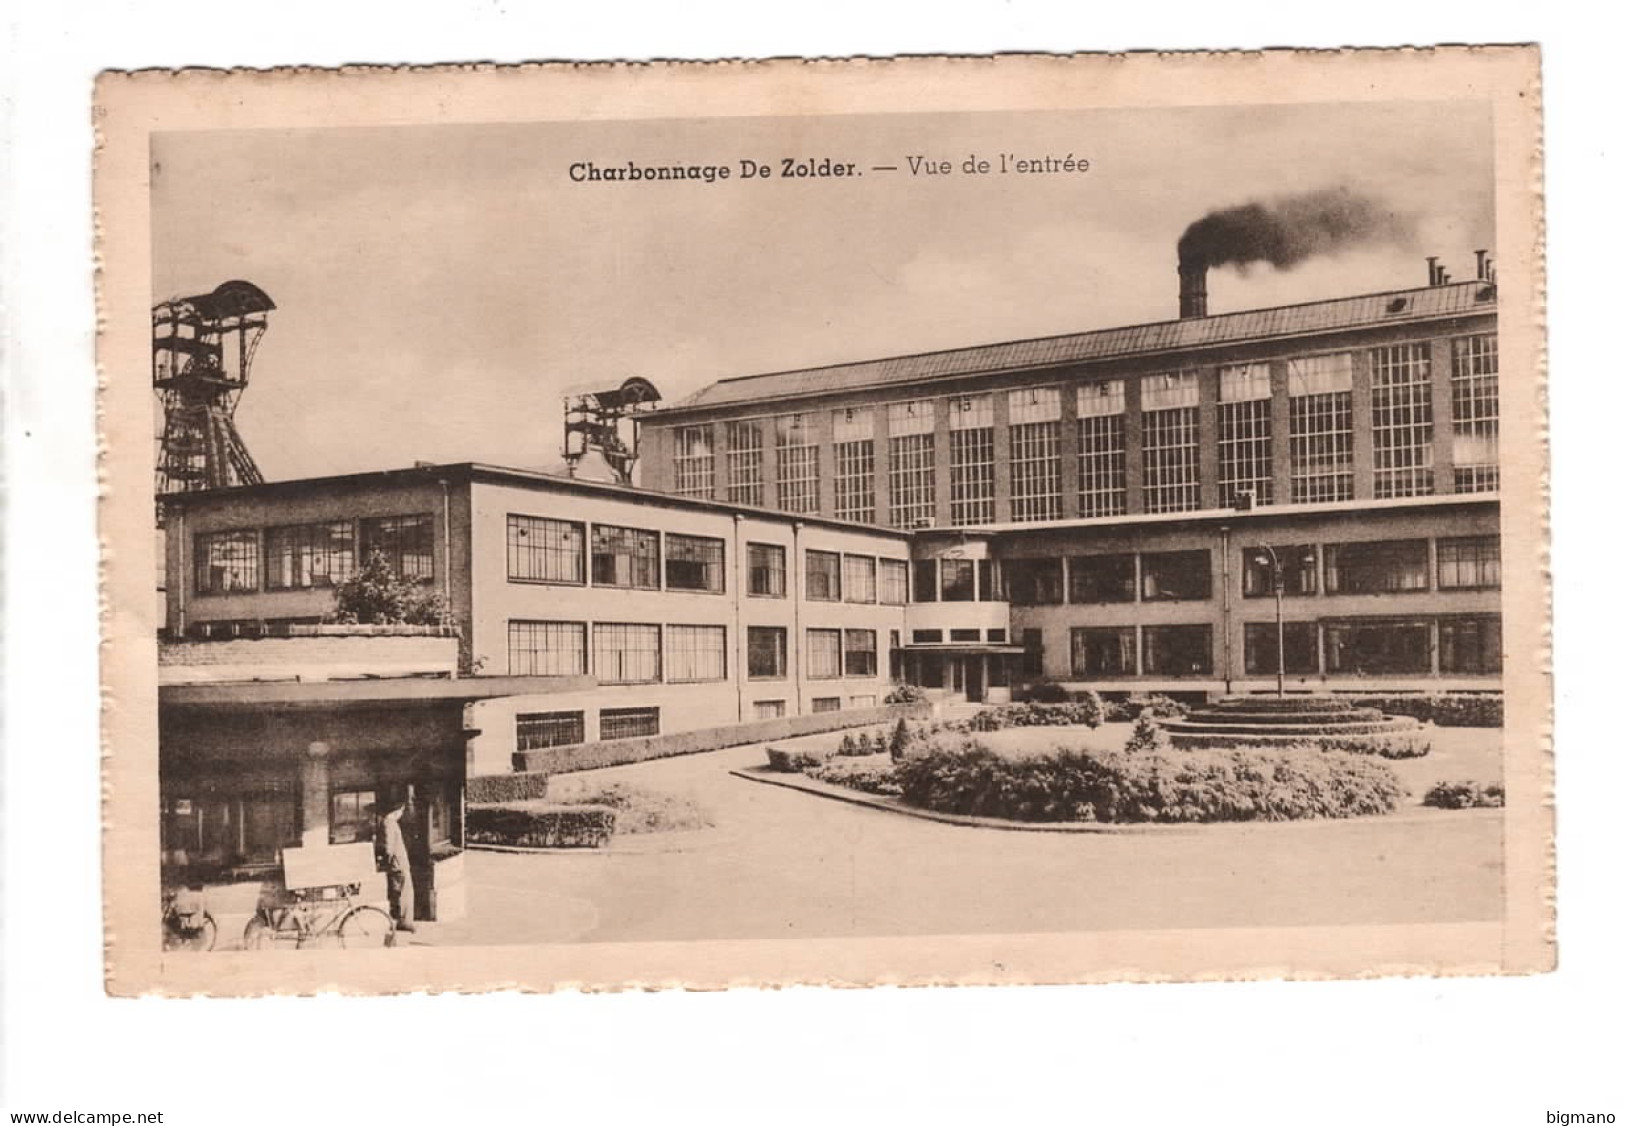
(397, 867)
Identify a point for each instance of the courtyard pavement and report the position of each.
(780, 863)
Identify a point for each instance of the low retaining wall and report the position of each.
(618, 752)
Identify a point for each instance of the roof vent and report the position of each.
(1398, 304)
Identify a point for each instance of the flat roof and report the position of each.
(401, 691)
(1281, 322)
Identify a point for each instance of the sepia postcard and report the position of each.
(919, 521)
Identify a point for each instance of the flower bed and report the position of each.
(1466, 795)
(873, 775)
(1448, 710)
(1084, 712)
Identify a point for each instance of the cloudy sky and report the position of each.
(439, 288)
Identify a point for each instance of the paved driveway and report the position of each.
(787, 864)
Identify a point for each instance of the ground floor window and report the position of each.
(1178, 650)
(240, 830)
(826, 704)
(1377, 647)
(696, 653)
(823, 654)
(769, 709)
(624, 653)
(350, 816)
(1259, 648)
(540, 730)
(765, 656)
(1470, 645)
(860, 653)
(628, 723)
(1103, 652)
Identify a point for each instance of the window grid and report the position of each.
(624, 653)
(855, 481)
(695, 654)
(547, 648)
(858, 578)
(798, 465)
(1035, 471)
(765, 656)
(1321, 443)
(745, 463)
(1173, 480)
(1470, 563)
(695, 563)
(628, 723)
(1402, 420)
(823, 576)
(766, 563)
(405, 542)
(913, 479)
(860, 653)
(546, 551)
(1475, 409)
(625, 557)
(970, 476)
(1102, 466)
(695, 466)
(893, 582)
(823, 654)
(1245, 465)
(539, 730)
(227, 562)
(309, 555)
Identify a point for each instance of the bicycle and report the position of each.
(318, 913)
(187, 924)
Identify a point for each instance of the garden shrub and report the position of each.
(1444, 710)
(1048, 692)
(1158, 706)
(1243, 784)
(1466, 795)
(1388, 745)
(873, 775)
(906, 694)
(537, 824)
(1081, 713)
(1146, 736)
(901, 738)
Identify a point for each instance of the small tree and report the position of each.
(1146, 736)
(375, 595)
(901, 736)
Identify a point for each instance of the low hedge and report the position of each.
(1443, 710)
(1466, 795)
(536, 824)
(1086, 711)
(495, 789)
(795, 762)
(1243, 784)
(873, 775)
(1156, 705)
(1397, 745)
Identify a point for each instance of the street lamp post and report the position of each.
(1278, 581)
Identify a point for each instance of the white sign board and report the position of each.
(328, 865)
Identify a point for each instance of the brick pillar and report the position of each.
(1364, 456)
(770, 464)
(942, 441)
(1444, 426)
(1207, 434)
(1001, 457)
(314, 789)
(1069, 452)
(1281, 431)
(1133, 455)
(822, 428)
(882, 468)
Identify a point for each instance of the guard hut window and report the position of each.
(1402, 420)
(226, 562)
(910, 429)
(1321, 433)
(1035, 454)
(798, 463)
(855, 464)
(405, 542)
(694, 563)
(625, 557)
(546, 551)
(970, 459)
(349, 821)
(309, 555)
(766, 563)
(1102, 450)
(1475, 408)
(1169, 441)
(745, 463)
(1245, 465)
(695, 463)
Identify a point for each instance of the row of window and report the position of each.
(1320, 420)
(537, 731)
(545, 550)
(644, 653)
(1368, 567)
(302, 556)
(1356, 647)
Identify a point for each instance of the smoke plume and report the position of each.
(1287, 231)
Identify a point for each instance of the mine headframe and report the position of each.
(607, 421)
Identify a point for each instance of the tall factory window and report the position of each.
(1470, 563)
(823, 654)
(1103, 652)
(766, 563)
(696, 653)
(1321, 433)
(1259, 646)
(1298, 571)
(546, 551)
(798, 463)
(893, 582)
(855, 464)
(1475, 408)
(695, 563)
(860, 653)
(626, 557)
(1377, 567)
(1035, 454)
(765, 652)
(1033, 582)
(309, 555)
(1402, 420)
(958, 580)
(536, 731)
(970, 459)
(913, 471)
(1102, 450)
(1245, 465)
(1178, 650)
(1377, 646)
(628, 723)
(1176, 576)
(226, 562)
(1169, 441)
(823, 576)
(1470, 645)
(858, 578)
(547, 648)
(405, 542)
(623, 653)
(1101, 578)
(745, 463)
(695, 462)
